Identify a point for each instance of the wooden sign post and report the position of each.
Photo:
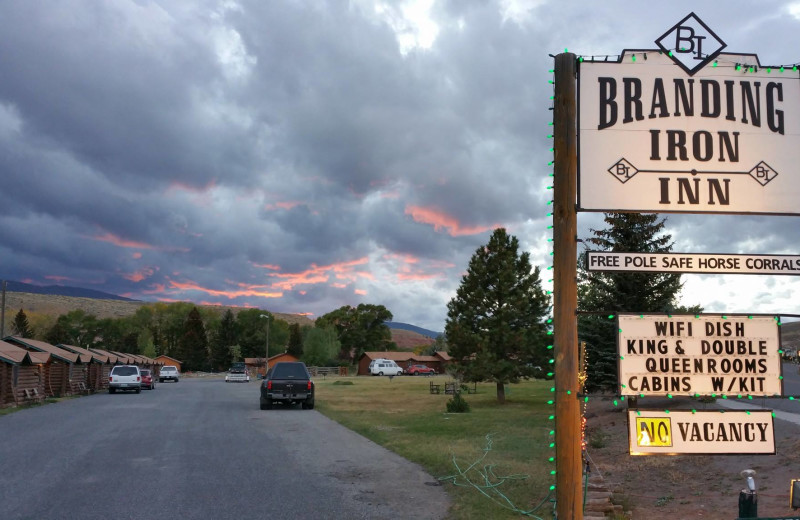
(569, 463)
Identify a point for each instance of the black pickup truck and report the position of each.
(287, 383)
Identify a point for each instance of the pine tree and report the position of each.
(295, 347)
(224, 339)
(193, 344)
(609, 293)
(496, 329)
(21, 326)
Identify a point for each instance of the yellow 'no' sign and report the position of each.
(653, 432)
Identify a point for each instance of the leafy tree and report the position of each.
(57, 334)
(321, 346)
(224, 338)
(165, 322)
(21, 326)
(360, 329)
(40, 324)
(193, 344)
(74, 328)
(119, 335)
(495, 328)
(144, 342)
(295, 347)
(278, 335)
(607, 293)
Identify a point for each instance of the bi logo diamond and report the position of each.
(691, 44)
(623, 170)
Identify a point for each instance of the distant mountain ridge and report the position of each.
(412, 328)
(63, 290)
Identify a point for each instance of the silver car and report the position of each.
(169, 372)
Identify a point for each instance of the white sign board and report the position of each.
(698, 355)
(692, 263)
(657, 136)
(707, 432)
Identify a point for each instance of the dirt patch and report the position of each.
(686, 486)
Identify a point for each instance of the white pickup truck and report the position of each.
(169, 372)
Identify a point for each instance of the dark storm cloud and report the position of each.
(197, 150)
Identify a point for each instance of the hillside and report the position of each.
(56, 305)
(409, 340)
(64, 290)
(790, 334)
(413, 328)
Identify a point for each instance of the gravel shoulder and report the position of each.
(687, 486)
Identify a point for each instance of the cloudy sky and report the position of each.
(298, 156)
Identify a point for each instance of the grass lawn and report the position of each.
(501, 449)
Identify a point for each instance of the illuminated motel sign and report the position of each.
(706, 432)
(689, 355)
(687, 128)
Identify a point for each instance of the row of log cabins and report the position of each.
(31, 370)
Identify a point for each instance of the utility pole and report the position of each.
(569, 463)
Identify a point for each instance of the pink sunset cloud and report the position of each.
(253, 290)
(443, 222)
(141, 274)
(199, 190)
(272, 267)
(120, 242)
(321, 274)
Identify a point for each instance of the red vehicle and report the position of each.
(147, 380)
(420, 370)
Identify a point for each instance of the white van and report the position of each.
(384, 367)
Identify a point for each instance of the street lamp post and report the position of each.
(266, 351)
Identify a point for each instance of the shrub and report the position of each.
(457, 404)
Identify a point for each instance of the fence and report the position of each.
(328, 371)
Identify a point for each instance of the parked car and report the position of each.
(385, 367)
(420, 370)
(169, 372)
(237, 373)
(125, 377)
(288, 383)
(147, 379)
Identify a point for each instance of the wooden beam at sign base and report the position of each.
(569, 462)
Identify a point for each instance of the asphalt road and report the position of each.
(199, 449)
(791, 386)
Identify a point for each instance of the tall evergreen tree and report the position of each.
(224, 339)
(193, 344)
(21, 326)
(607, 293)
(496, 324)
(295, 346)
